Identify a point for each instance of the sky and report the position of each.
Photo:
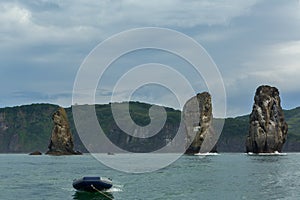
(43, 44)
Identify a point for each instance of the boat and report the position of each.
(92, 184)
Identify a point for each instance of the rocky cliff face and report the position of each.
(268, 129)
(9, 142)
(197, 115)
(61, 142)
(3, 125)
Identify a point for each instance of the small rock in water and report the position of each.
(35, 153)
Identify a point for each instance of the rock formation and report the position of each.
(61, 142)
(197, 115)
(35, 153)
(268, 129)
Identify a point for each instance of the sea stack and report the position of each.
(197, 116)
(268, 128)
(61, 142)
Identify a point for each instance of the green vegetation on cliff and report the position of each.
(25, 128)
(28, 128)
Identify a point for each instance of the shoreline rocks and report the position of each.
(35, 153)
(268, 128)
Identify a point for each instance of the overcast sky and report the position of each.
(43, 44)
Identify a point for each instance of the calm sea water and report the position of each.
(225, 176)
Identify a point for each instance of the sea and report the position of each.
(219, 176)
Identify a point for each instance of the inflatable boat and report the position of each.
(92, 184)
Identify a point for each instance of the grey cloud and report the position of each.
(40, 6)
(51, 38)
(41, 96)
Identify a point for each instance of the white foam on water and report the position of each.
(114, 189)
(276, 153)
(206, 154)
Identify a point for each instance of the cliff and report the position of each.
(139, 113)
(27, 128)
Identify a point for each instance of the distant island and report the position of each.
(27, 128)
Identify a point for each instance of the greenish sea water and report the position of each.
(224, 176)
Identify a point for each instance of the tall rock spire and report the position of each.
(268, 129)
(197, 115)
(61, 142)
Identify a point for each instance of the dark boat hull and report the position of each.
(92, 184)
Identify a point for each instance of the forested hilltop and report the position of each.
(28, 128)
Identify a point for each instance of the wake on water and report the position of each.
(114, 189)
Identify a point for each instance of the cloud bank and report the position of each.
(43, 43)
